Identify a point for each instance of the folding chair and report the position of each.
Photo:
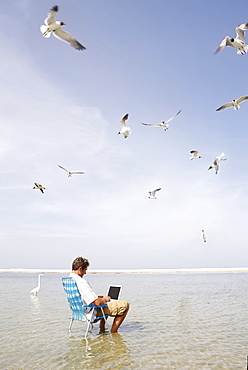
(78, 307)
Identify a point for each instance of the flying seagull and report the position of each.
(238, 42)
(194, 154)
(234, 103)
(39, 187)
(203, 236)
(163, 124)
(152, 193)
(54, 26)
(126, 131)
(71, 173)
(216, 163)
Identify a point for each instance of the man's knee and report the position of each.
(124, 307)
(127, 306)
(117, 308)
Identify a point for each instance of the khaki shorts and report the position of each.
(114, 308)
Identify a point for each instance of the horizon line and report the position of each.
(132, 271)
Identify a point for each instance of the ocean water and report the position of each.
(176, 321)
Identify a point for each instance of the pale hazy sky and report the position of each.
(61, 106)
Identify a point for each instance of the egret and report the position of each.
(35, 290)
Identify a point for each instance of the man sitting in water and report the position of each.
(116, 309)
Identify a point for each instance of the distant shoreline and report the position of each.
(134, 271)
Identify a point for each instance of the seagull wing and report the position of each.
(63, 168)
(123, 120)
(223, 44)
(173, 116)
(240, 31)
(50, 16)
(195, 154)
(67, 37)
(152, 193)
(42, 190)
(227, 105)
(153, 124)
(221, 156)
(156, 190)
(76, 172)
(242, 98)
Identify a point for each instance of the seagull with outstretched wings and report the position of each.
(163, 124)
(71, 173)
(234, 103)
(51, 25)
(152, 194)
(39, 187)
(238, 42)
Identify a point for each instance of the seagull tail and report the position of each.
(44, 31)
(244, 51)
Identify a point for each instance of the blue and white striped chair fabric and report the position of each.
(77, 306)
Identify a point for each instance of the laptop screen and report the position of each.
(114, 291)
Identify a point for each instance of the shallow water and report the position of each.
(176, 321)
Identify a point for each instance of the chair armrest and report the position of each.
(95, 306)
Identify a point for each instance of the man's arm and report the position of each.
(101, 300)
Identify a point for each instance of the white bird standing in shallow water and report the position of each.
(203, 236)
(194, 154)
(216, 163)
(54, 26)
(39, 187)
(238, 42)
(152, 193)
(234, 103)
(35, 290)
(163, 124)
(125, 131)
(71, 173)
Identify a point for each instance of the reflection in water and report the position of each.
(133, 326)
(35, 304)
(100, 352)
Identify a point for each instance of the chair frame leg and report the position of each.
(71, 322)
(104, 317)
(88, 324)
(87, 330)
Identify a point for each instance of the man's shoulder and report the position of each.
(78, 278)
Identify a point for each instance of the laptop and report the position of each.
(114, 291)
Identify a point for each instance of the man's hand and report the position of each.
(107, 298)
(101, 300)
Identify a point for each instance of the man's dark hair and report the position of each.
(80, 262)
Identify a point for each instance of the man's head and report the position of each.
(80, 265)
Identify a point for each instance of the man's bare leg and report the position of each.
(117, 322)
(102, 325)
